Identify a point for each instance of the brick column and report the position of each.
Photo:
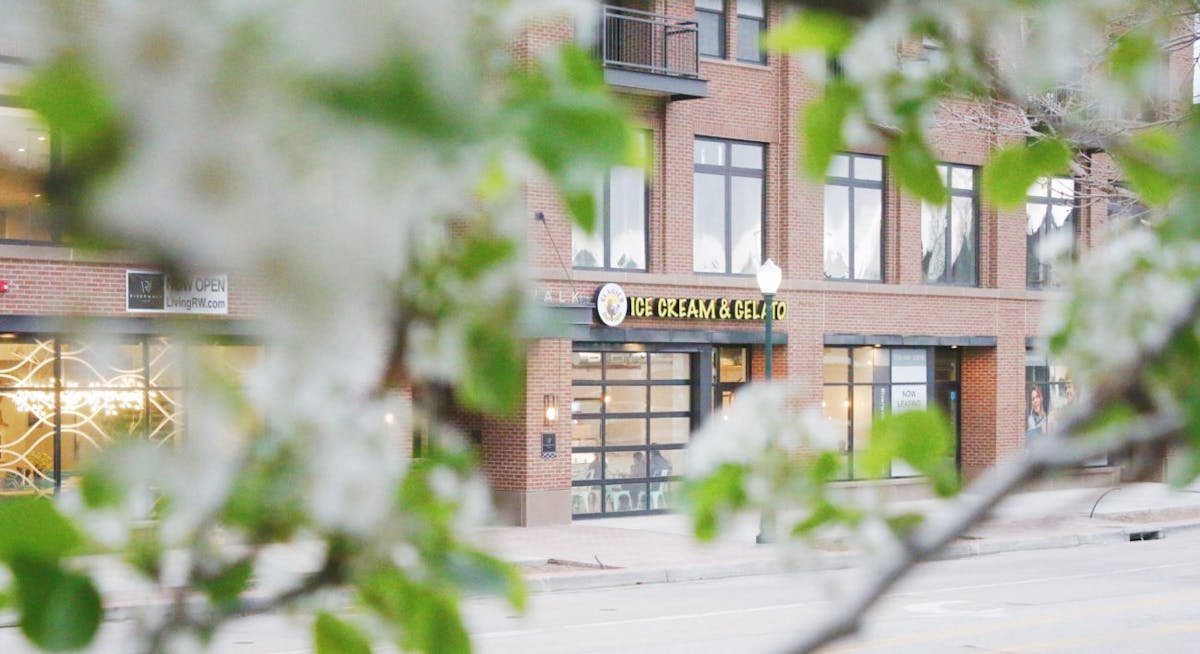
(527, 489)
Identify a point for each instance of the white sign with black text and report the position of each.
(156, 292)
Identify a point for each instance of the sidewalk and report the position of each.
(659, 548)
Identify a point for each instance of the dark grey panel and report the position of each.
(679, 88)
(909, 340)
(60, 325)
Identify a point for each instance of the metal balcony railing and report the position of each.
(649, 43)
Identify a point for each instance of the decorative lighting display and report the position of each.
(109, 399)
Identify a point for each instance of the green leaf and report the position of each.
(60, 610)
(34, 529)
(811, 30)
(480, 571)
(68, 95)
(225, 587)
(922, 439)
(1132, 52)
(915, 169)
(1013, 169)
(494, 380)
(332, 635)
(823, 121)
(1143, 164)
(429, 615)
(101, 487)
(398, 94)
(825, 467)
(570, 124)
(711, 496)
(481, 253)
(903, 524)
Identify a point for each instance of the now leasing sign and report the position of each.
(156, 292)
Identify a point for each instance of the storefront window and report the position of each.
(1049, 393)
(631, 418)
(862, 383)
(109, 392)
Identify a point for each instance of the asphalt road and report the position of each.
(1126, 597)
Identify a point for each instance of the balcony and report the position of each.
(651, 53)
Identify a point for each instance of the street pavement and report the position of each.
(653, 549)
(659, 548)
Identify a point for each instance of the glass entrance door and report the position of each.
(631, 416)
(947, 395)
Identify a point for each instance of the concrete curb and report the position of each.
(128, 607)
(832, 561)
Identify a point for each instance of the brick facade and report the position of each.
(762, 103)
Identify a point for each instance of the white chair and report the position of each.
(613, 496)
(658, 492)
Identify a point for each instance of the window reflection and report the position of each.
(854, 218)
(949, 239)
(109, 391)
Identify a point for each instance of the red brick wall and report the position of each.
(54, 281)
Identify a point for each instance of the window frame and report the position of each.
(976, 219)
(852, 183)
(761, 21)
(722, 36)
(605, 219)
(1033, 241)
(728, 172)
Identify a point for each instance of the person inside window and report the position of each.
(660, 466)
(1035, 423)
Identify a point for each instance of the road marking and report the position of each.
(650, 620)
(939, 609)
(1107, 639)
(1037, 580)
(1139, 601)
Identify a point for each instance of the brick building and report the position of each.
(64, 397)
(885, 303)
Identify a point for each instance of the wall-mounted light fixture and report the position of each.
(550, 407)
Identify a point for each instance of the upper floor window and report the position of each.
(854, 218)
(727, 206)
(619, 240)
(950, 233)
(1050, 209)
(710, 18)
(751, 23)
(1126, 212)
(24, 162)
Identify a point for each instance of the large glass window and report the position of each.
(731, 369)
(1050, 228)
(862, 383)
(1049, 394)
(728, 198)
(631, 416)
(62, 401)
(751, 23)
(619, 240)
(854, 218)
(710, 18)
(24, 162)
(950, 233)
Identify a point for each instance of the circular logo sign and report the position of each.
(611, 304)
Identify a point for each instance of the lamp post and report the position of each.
(769, 278)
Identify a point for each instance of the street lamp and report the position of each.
(769, 278)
